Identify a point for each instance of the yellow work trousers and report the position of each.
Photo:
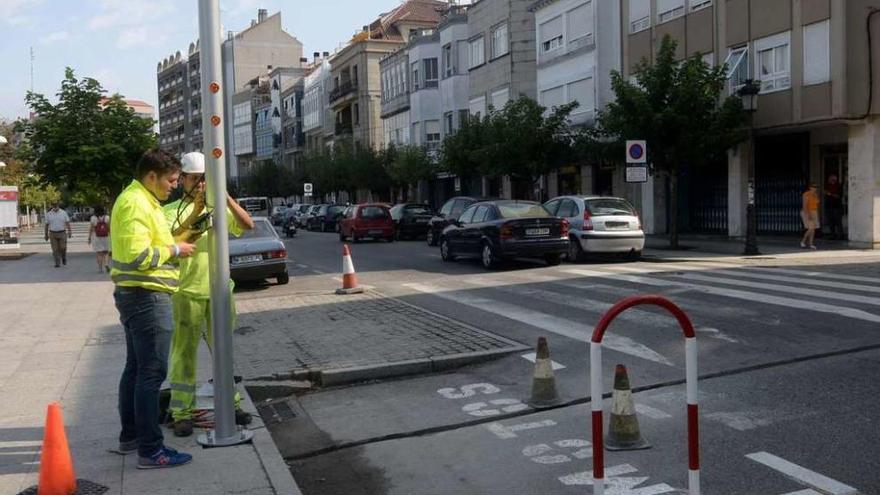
(192, 323)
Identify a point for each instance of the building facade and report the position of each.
(454, 90)
(393, 70)
(317, 118)
(814, 121)
(174, 93)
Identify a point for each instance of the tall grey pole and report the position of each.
(225, 431)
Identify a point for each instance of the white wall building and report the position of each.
(317, 116)
(454, 54)
(424, 74)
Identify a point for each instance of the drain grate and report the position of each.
(83, 487)
(276, 412)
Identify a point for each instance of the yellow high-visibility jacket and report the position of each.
(140, 237)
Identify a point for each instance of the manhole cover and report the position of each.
(276, 412)
(83, 487)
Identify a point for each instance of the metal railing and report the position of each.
(343, 90)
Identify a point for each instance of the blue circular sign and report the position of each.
(636, 151)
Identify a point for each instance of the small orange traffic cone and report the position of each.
(544, 392)
(349, 277)
(56, 465)
(623, 427)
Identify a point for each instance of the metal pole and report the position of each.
(751, 247)
(225, 431)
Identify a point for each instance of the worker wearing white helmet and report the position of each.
(189, 219)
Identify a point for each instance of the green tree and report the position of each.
(271, 180)
(463, 152)
(84, 144)
(677, 107)
(407, 165)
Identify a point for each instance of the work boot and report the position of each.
(243, 418)
(183, 427)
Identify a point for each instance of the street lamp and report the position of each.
(749, 95)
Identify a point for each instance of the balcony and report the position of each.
(343, 128)
(343, 89)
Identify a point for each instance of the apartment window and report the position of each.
(477, 106)
(432, 134)
(416, 137)
(448, 67)
(579, 22)
(582, 92)
(773, 61)
(415, 76)
(699, 4)
(431, 74)
(553, 97)
(500, 41)
(448, 123)
(639, 15)
(462, 117)
(477, 52)
(708, 59)
(737, 64)
(500, 98)
(355, 111)
(354, 75)
(817, 53)
(551, 34)
(669, 9)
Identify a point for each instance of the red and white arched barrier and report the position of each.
(597, 388)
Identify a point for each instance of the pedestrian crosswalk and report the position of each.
(569, 299)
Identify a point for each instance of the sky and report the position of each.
(119, 42)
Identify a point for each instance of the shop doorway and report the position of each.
(834, 193)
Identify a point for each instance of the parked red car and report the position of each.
(371, 220)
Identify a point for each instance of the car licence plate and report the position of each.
(375, 232)
(537, 232)
(617, 225)
(237, 260)
(421, 220)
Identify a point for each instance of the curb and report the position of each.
(278, 472)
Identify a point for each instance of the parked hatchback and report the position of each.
(411, 219)
(325, 218)
(499, 230)
(450, 211)
(599, 224)
(371, 220)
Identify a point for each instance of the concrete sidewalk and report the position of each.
(61, 341)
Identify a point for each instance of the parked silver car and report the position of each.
(258, 254)
(599, 224)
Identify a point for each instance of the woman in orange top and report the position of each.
(810, 216)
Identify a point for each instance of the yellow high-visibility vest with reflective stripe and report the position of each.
(139, 237)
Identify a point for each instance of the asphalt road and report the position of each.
(788, 358)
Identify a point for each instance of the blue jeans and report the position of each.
(146, 317)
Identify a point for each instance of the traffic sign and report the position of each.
(636, 151)
(636, 173)
(307, 188)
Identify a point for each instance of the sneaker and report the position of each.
(243, 418)
(183, 428)
(803, 246)
(813, 247)
(164, 458)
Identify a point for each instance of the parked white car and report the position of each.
(599, 224)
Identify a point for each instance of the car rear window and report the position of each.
(610, 207)
(261, 229)
(336, 209)
(373, 213)
(522, 210)
(418, 210)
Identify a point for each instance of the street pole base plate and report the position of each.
(209, 439)
(355, 290)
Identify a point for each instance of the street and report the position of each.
(787, 352)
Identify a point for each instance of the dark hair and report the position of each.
(159, 161)
(99, 211)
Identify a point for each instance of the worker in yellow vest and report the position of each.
(144, 271)
(188, 219)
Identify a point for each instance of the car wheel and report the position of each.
(429, 237)
(553, 259)
(283, 278)
(575, 251)
(487, 257)
(446, 251)
(634, 255)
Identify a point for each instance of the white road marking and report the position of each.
(508, 432)
(560, 326)
(533, 356)
(479, 409)
(615, 485)
(469, 390)
(737, 294)
(651, 412)
(799, 280)
(740, 420)
(714, 333)
(543, 453)
(814, 274)
(319, 272)
(808, 491)
(803, 475)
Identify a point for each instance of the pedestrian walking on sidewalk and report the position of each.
(144, 270)
(191, 302)
(57, 232)
(810, 216)
(99, 238)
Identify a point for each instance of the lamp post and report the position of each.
(749, 95)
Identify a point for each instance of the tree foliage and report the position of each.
(85, 145)
(407, 165)
(271, 180)
(347, 168)
(677, 108)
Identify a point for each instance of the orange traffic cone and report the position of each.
(56, 465)
(349, 278)
(623, 428)
(544, 392)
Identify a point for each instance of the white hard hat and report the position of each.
(193, 163)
